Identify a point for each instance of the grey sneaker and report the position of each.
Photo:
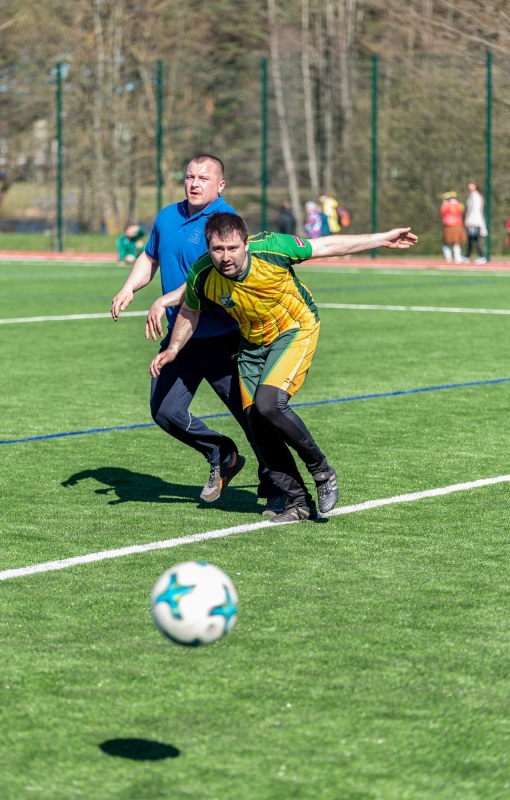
(274, 506)
(295, 513)
(327, 490)
(220, 477)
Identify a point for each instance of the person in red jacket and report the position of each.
(507, 228)
(454, 234)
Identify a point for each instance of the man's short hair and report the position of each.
(203, 157)
(224, 225)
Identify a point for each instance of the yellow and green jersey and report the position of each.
(267, 299)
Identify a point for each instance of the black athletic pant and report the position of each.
(213, 359)
(275, 426)
(474, 239)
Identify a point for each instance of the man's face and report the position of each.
(203, 184)
(229, 255)
(132, 231)
(471, 187)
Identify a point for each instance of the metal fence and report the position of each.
(86, 148)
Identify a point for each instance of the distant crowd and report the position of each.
(463, 224)
(321, 219)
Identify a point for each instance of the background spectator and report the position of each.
(475, 222)
(286, 219)
(130, 244)
(314, 220)
(454, 234)
(313, 223)
(329, 208)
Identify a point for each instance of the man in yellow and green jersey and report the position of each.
(254, 281)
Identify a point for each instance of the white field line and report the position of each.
(71, 316)
(346, 306)
(37, 260)
(440, 309)
(52, 566)
(433, 272)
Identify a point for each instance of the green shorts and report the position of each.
(283, 363)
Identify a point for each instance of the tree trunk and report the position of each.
(346, 28)
(132, 215)
(5, 184)
(288, 158)
(307, 91)
(117, 222)
(328, 98)
(100, 201)
(426, 28)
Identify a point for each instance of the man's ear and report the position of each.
(221, 186)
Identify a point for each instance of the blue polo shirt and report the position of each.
(177, 241)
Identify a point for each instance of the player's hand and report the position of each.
(153, 323)
(399, 239)
(159, 361)
(121, 301)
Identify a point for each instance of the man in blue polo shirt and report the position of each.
(176, 242)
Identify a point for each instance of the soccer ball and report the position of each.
(194, 603)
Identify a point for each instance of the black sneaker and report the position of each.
(314, 514)
(220, 477)
(295, 513)
(274, 506)
(327, 490)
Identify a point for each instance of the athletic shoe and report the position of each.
(294, 513)
(220, 477)
(327, 490)
(313, 509)
(274, 506)
(481, 261)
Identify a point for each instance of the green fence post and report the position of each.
(59, 176)
(488, 151)
(263, 196)
(159, 138)
(374, 147)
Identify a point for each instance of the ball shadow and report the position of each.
(139, 749)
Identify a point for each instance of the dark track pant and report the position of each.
(474, 239)
(213, 359)
(275, 427)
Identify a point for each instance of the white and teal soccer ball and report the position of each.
(194, 603)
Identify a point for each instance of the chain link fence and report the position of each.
(426, 116)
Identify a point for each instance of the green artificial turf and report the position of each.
(370, 658)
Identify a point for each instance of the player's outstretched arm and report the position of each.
(157, 310)
(339, 245)
(185, 326)
(142, 273)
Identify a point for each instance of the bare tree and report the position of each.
(101, 206)
(347, 11)
(114, 95)
(307, 91)
(288, 158)
(328, 97)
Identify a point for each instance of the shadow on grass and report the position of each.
(126, 486)
(139, 749)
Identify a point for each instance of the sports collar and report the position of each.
(240, 278)
(205, 211)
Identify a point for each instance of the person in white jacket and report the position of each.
(474, 221)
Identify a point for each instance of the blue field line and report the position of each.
(351, 399)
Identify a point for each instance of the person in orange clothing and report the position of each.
(454, 233)
(507, 228)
